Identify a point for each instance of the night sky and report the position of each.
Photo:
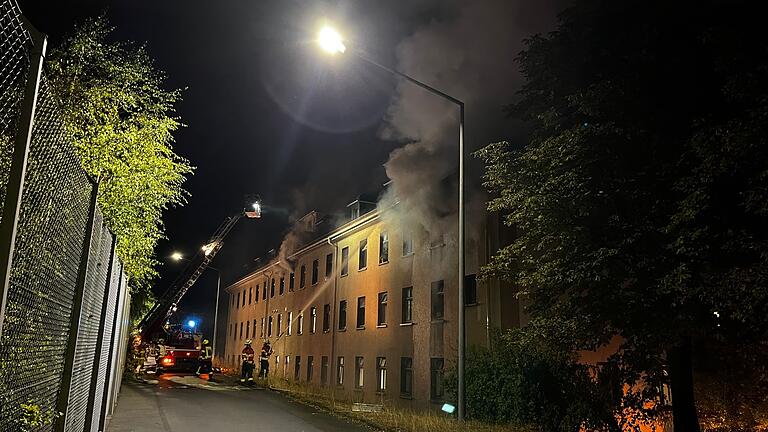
(269, 114)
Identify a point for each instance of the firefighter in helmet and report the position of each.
(205, 365)
(248, 364)
(266, 351)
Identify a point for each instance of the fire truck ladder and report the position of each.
(167, 303)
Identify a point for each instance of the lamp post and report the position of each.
(332, 42)
(177, 256)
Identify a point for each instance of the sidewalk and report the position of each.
(138, 410)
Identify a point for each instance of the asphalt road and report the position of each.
(188, 404)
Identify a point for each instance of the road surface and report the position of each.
(188, 404)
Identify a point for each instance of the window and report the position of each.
(324, 370)
(361, 312)
(362, 256)
(359, 372)
(406, 376)
(382, 316)
(230, 329)
(315, 271)
(272, 288)
(381, 374)
(297, 368)
(262, 327)
(310, 366)
(285, 366)
(340, 371)
(241, 330)
(436, 379)
(470, 290)
(256, 292)
(312, 319)
(303, 277)
(407, 305)
(279, 324)
(407, 244)
(345, 261)
(269, 329)
(247, 329)
(326, 318)
(300, 330)
(250, 295)
(343, 315)
(232, 303)
(383, 247)
(290, 322)
(438, 305)
(264, 291)
(282, 284)
(238, 300)
(243, 297)
(328, 265)
(291, 281)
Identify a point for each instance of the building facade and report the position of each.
(369, 309)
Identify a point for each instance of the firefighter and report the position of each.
(205, 365)
(266, 351)
(248, 363)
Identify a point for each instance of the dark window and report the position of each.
(297, 368)
(310, 366)
(324, 370)
(345, 261)
(269, 328)
(360, 312)
(291, 281)
(238, 300)
(406, 376)
(247, 329)
(342, 315)
(359, 372)
(232, 303)
(438, 303)
(382, 316)
(315, 271)
(272, 288)
(312, 319)
(328, 265)
(363, 255)
(264, 291)
(303, 276)
(230, 329)
(262, 327)
(250, 295)
(340, 371)
(282, 285)
(407, 244)
(256, 292)
(326, 317)
(243, 297)
(241, 330)
(279, 324)
(436, 379)
(381, 374)
(383, 247)
(407, 304)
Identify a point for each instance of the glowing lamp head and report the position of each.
(191, 323)
(330, 41)
(208, 248)
(177, 256)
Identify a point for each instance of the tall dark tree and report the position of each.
(641, 197)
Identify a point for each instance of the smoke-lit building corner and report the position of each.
(368, 307)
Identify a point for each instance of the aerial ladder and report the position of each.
(153, 322)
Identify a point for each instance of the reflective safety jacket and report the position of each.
(247, 354)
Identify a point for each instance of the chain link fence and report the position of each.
(63, 325)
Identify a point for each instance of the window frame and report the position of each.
(345, 261)
(342, 315)
(362, 255)
(406, 377)
(360, 313)
(407, 305)
(381, 310)
(383, 247)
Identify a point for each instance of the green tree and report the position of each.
(122, 122)
(640, 199)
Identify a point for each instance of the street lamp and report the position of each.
(332, 42)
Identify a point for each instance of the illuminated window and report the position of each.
(359, 372)
(315, 271)
(300, 325)
(269, 328)
(381, 374)
(342, 315)
(383, 247)
(406, 376)
(340, 371)
(407, 305)
(381, 319)
(279, 324)
(363, 255)
(361, 312)
(290, 322)
(328, 265)
(312, 319)
(345, 261)
(407, 244)
(438, 301)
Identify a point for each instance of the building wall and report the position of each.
(425, 339)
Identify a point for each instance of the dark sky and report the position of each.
(268, 114)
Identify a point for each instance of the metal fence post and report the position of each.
(99, 340)
(74, 321)
(18, 170)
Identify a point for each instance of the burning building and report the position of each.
(369, 308)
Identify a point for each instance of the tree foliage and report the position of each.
(122, 121)
(640, 199)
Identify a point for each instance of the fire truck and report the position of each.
(166, 346)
